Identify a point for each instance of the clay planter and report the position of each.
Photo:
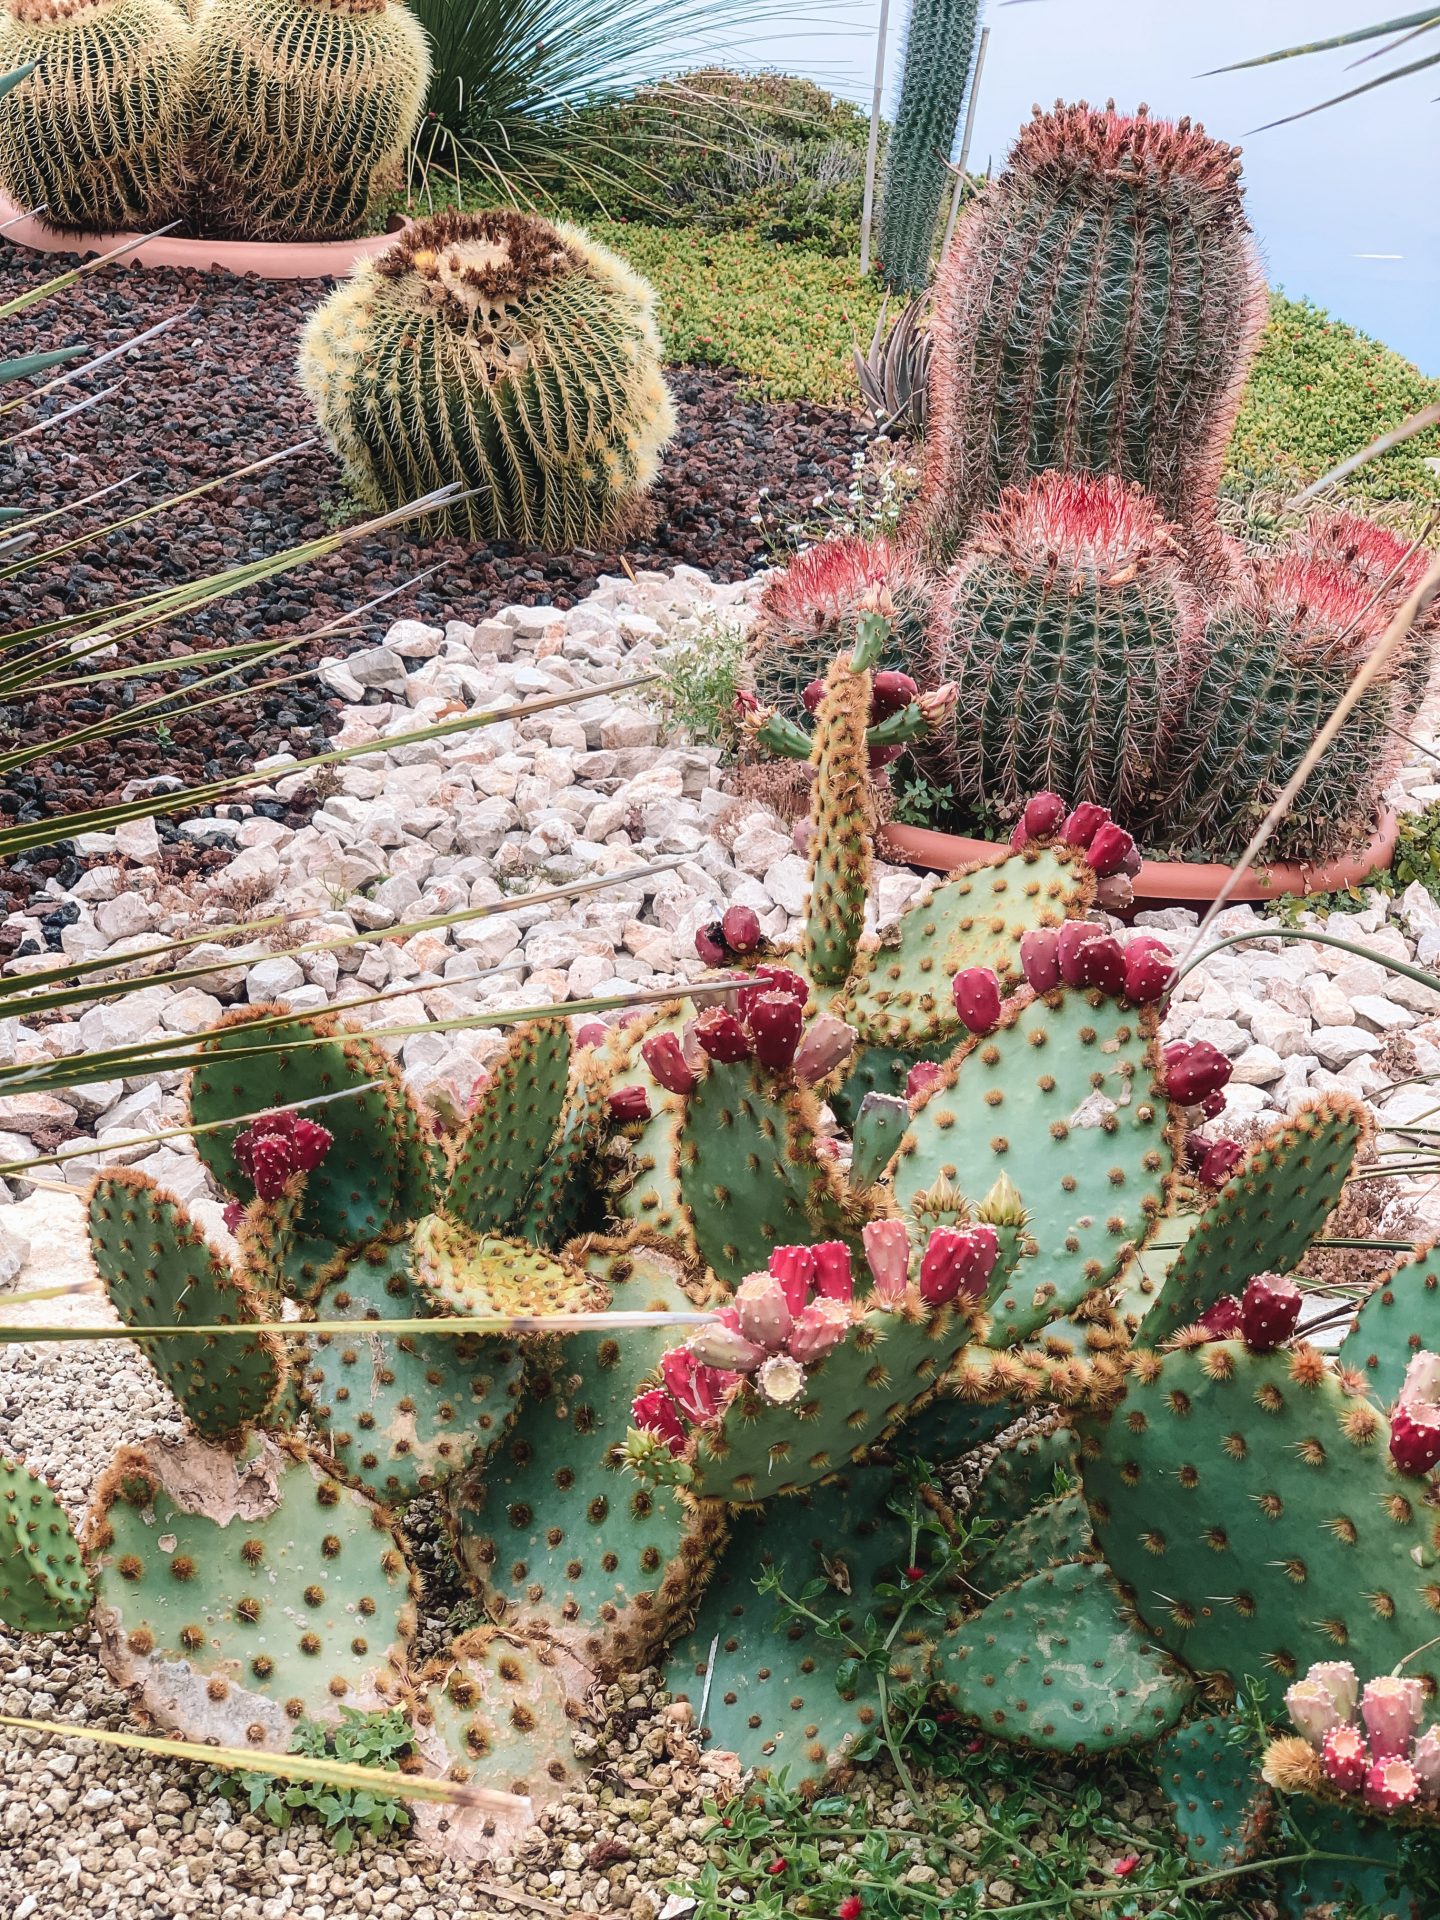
(266, 259)
(1163, 883)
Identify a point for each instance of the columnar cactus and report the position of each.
(1097, 312)
(939, 59)
(96, 136)
(494, 349)
(304, 111)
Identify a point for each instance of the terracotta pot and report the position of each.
(1164, 883)
(266, 259)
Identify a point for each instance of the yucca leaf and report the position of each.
(1402, 23)
(446, 1327)
(32, 363)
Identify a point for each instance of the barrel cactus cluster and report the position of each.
(664, 1310)
(254, 119)
(1093, 324)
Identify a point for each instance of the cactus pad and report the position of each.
(1248, 1507)
(1027, 1473)
(468, 1274)
(1048, 1536)
(506, 1145)
(1055, 1664)
(43, 1584)
(237, 1595)
(900, 993)
(160, 1271)
(842, 854)
(1400, 1317)
(1061, 1097)
(1218, 1801)
(1303, 1889)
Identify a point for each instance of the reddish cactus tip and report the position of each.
(1082, 823)
(1110, 849)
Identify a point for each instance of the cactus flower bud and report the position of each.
(1149, 969)
(1070, 943)
(781, 1379)
(1083, 823)
(1312, 1708)
(1218, 1159)
(1040, 958)
(776, 1021)
(592, 1033)
(722, 1036)
(1109, 849)
(834, 1274)
(724, 1346)
(976, 992)
(1269, 1312)
(1391, 1784)
(763, 1311)
(710, 944)
(630, 1103)
(957, 1265)
(664, 1056)
(828, 1045)
(1392, 1707)
(309, 1144)
(1341, 1682)
(794, 1268)
(1425, 1758)
(655, 1412)
(1222, 1320)
(1415, 1422)
(741, 928)
(922, 1078)
(938, 704)
(699, 1391)
(890, 692)
(1194, 1070)
(1345, 1758)
(1102, 964)
(822, 1326)
(887, 1254)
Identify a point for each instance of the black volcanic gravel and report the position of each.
(216, 392)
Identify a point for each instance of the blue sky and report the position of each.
(1332, 198)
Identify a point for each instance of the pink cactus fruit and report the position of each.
(957, 1264)
(630, 1103)
(276, 1145)
(710, 944)
(1342, 1683)
(723, 1345)
(821, 1327)
(1040, 958)
(232, 1213)
(772, 979)
(741, 928)
(1345, 1758)
(1415, 1421)
(781, 1379)
(665, 1057)
(794, 1268)
(1044, 814)
(699, 1391)
(828, 1045)
(1312, 1708)
(1218, 1161)
(592, 1033)
(1109, 849)
(1425, 1758)
(1070, 944)
(922, 1077)
(1115, 893)
(890, 692)
(1149, 969)
(976, 992)
(1222, 1320)
(722, 1036)
(1390, 1785)
(655, 1412)
(776, 1021)
(1269, 1312)
(811, 695)
(1102, 964)
(763, 1311)
(834, 1273)
(887, 1254)
(1083, 823)
(1392, 1707)
(1195, 1071)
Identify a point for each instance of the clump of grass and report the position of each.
(700, 674)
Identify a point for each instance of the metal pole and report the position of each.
(965, 142)
(873, 148)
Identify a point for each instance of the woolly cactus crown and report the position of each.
(1081, 522)
(1170, 158)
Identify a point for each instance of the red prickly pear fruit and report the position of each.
(232, 1213)
(1345, 1758)
(1044, 814)
(741, 928)
(593, 1033)
(887, 1254)
(1212, 1106)
(977, 998)
(1149, 969)
(722, 1036)
(834, 1274)
(763, 1310)
(828, 1045)
(1083, 823)
(309, 1144)
(924, 1075)
(271, 1165)
(1414, 1438)
(884, 756)
(1132, 863)
(630, 1103)
(890, 693)
(812, 695)
(710, 944)
(1212, 1161)
(818, 1330)
(776, 1021)
(1222, 1320)
(699, 1391)
(771, 979)
(1194, 1071)
(1114, 893)
(724, 1346)
(794, 1268)
(1425, 1758)
(1109, 849)
(802, 837)
(1269, 1312)
(957, 1264)
(1391, 1784)
(655, 1412)
(1074, 936)
(1040, 958)
(665, 1057)
(1102, 962)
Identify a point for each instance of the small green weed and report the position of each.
(363, 1739)
(1417, 857)
(699, 678)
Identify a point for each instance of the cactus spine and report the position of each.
(939, 59)
(497, 350)
(96, 135)
(1097, 312)
(304, 112)
(1065, 630)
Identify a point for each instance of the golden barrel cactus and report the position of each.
(304, 112)
(96, 135)
(497, 350)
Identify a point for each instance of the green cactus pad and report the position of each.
(1265, 1216)
(1049, 1536)
(1218, 1801)
(1304, 1888)
(380, 1160)
(1140, 1284)
(160, 1271)
(947, 1427)
(505, 1147)
(1398, 1320)
(1027, 1473)
(842, 852)
(645, 1186)
(560, 1538)
(400, 1413)
(44, 1587)
(900, 995)
(237, 1595)
(772, 1698)
(749, 1174)
(467, 1274)
(875, 1069)
(562, 1200)
(1249, 1509)
(1053, 1663)
(1062, 1098)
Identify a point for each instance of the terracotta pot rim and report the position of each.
(1168, 882)
(266, 259)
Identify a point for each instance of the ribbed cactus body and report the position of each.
(304, 110)
(1274, 662)
(1389, 568)
(810, 612)
(1097, 312)
(96, 135)
(1065, 629)
(939, 58)
(516, 357)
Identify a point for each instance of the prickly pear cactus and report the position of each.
(503, 1151)
(44, 1587)
(1219, 1803)
(842, 855)
(1400, 1318)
